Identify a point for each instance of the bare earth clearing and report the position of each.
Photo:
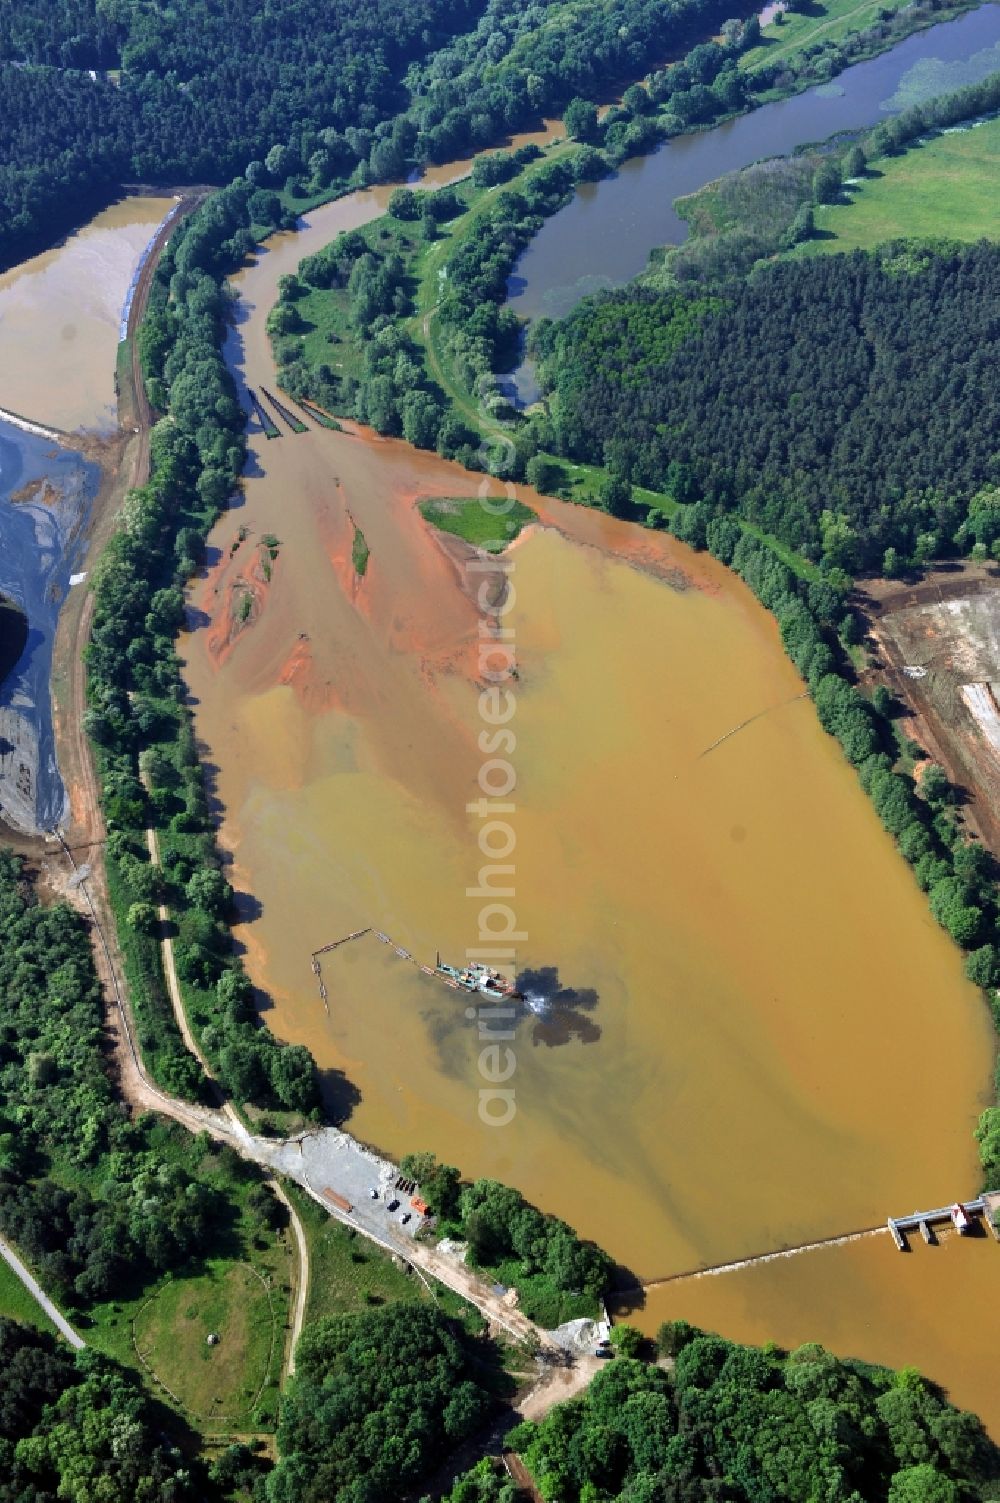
(946, 630)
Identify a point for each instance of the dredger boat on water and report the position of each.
(476, 978)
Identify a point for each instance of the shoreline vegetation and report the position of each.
(90, 100)
(784, 205)
(424, 288)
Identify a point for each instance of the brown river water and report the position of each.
(59, 316)
(781, 1047)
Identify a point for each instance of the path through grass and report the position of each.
(18, 1304)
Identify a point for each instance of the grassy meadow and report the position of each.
(347, 1273)
(220, 1383)
(946, 187)
(240, 1290)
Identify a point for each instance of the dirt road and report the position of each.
(301, 1291)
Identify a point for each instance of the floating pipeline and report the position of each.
(558, 1013)
(321, 418)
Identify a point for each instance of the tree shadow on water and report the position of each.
(340, 1096)
(248, 909)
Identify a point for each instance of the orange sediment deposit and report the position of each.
(300, 672)
(242, 606)
(656, 553)
(335, 524)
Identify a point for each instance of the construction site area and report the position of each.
(936, 646)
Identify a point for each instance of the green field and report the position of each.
(347, 1273)
(17, 1304)
(947, 187)
(826, 21)
(218, 1384)
(464, 517)
(246, 1253)
(324, 313)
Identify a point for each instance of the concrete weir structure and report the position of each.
(987, 1205)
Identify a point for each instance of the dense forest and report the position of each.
(97, 1204)
(197, 92)
(736, 1424)
(523, 61)
(81, 1429)
(377, 1403)
(302, 97)
(847, 404)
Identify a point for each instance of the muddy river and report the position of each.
(59, 319)
(759, 1035)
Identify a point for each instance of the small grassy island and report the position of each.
(466, 517)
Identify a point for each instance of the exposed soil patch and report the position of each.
(487, 586)
(45, 494)
(938, 646)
